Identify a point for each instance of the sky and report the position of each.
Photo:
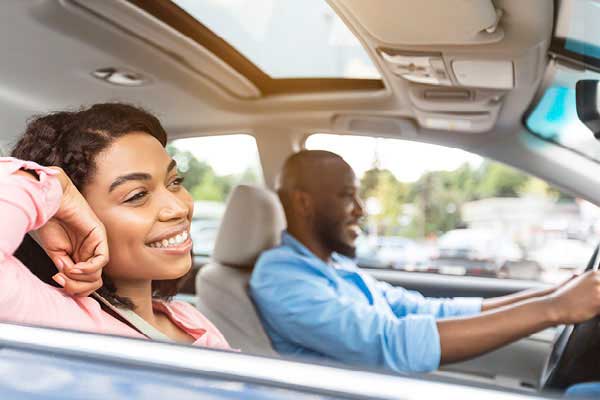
(232, 154)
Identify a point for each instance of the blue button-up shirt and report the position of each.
(336, 312)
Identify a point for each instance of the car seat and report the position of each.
(252, 222)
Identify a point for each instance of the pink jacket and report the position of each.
(26, 205)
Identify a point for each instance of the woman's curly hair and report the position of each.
(72, 140)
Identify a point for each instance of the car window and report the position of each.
(443, 210)
(211, 167)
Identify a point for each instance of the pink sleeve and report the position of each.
(25, 204)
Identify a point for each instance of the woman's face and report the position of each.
(137, 194)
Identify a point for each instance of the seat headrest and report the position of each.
(252, 223)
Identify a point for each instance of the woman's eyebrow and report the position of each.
(135, 176)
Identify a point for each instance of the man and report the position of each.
(315, 302)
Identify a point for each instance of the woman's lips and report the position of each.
(176, 250)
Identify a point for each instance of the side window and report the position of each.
(443, 210)
(212, 166)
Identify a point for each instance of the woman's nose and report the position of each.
(173, 208)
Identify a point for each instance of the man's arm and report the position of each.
(576, 301)
(496, 302)
(302, 307)
(405, 302)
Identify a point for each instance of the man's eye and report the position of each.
(136, 197)
(177, 181)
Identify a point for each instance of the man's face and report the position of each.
(338, 209)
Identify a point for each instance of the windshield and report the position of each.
(576, 39)
(555, 116)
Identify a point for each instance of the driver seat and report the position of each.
(252, 223)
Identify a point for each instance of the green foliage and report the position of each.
(501, 181)
(436, 197)
(429, 206)
(382, 185)
(202, 181)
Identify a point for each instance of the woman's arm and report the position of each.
(27, 201)
(67, 228)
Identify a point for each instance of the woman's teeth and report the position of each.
(172, 241)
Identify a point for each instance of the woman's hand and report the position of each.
(75, 240)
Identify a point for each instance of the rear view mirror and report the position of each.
(587, 94)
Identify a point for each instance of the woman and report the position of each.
(113, 155)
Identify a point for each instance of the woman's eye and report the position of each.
(136, 197)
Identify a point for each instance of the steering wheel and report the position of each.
(575, 355)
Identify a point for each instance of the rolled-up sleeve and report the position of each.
(302, 306)
(406, 302)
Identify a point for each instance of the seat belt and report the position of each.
(130, 318)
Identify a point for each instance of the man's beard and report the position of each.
(330, 234)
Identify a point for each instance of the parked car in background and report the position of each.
(204, 233)
(475, 252)
(395, 252)
(205, 226)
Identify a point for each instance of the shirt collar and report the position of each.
(288, 240)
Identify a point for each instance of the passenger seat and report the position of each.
(252, 223)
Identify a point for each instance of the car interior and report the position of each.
(460, 74)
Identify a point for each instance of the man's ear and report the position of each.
(303, 203)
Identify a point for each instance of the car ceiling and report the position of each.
(52, 47)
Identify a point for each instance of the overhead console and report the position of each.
(456, 63)
(431, 69)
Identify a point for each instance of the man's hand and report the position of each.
(577, 300)
(75, 240)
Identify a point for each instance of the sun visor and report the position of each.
(428, 22)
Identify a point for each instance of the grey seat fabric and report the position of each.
(252, 223)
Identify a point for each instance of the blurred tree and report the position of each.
(498, 180)
(202, 181)
(390, 193)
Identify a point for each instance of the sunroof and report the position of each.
(286, 38)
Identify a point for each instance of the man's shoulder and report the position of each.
(283, 261)
(277, 255)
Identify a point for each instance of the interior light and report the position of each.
(120, 77)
